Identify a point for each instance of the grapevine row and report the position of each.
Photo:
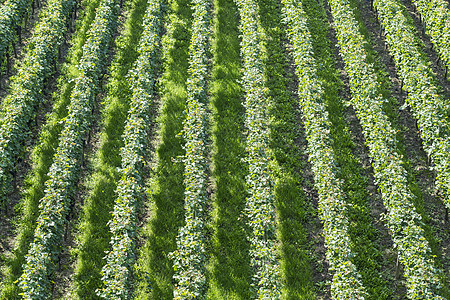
(436, 18)
(41, 258)
(26, 88)
(117, 272)
(94, 235)
(12, 13)
(428, 107)
(346, 279)
(260, 209)
(189, 260)
(154, 266)
(42, 157)
(413, 249)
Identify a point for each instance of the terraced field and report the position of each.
(272, 149)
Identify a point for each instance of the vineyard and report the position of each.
(224, 149)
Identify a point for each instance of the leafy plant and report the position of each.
(41, 258)
(260, 208)
(346, 282)
(117, 272)
(189, 260)
(26, 88)
(428, 107)
(12, 14)
(402, 219)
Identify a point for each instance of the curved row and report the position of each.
(428, 107)
(346, 279)
(413, 249)
(260, 209)
(26, 88)
(189, 260)
(41, 258)
(117, 272)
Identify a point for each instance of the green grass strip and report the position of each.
(117, 273)
(229, 269)
(167, 189)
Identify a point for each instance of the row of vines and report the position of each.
(413, 249)
(36, 280)
(190, 149)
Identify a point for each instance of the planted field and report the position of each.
(177, 149)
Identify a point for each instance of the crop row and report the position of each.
(346, 279)
(436, 18)
(94, 235)
(286, 144)
(428, 107)
(42, 157)
(41, 258)
(189, 260)
(12, 13)
(117, 272)
(26, 88)
(154, 267)
(260, 209)
(413, 249)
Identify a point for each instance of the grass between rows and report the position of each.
(166, 188)
(94, 235)
(43, 153)
(229, 266)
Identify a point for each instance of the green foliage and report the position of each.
(189, 260)
(94, 236)
(12, 13)
(230, 273)
(260, 207)
(42, 158)
(346, 279)
(26, 88)
(403, 220)
(41, 258)
(117, 272)
(363, 234)
(428, 107)
(435, 16)
(154, 267)
(429, 110)
(295, 258)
